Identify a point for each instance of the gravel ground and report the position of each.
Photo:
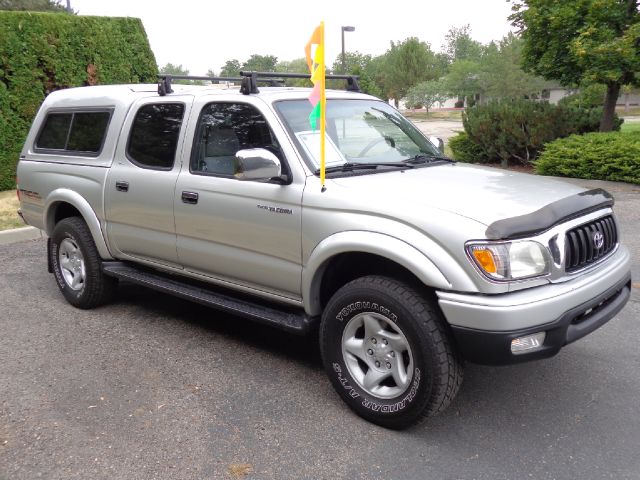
(151, 387)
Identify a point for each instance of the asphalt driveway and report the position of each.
(150, 387)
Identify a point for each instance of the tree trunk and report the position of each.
(609, 109)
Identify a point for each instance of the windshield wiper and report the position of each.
(350, 166)
(422, 158)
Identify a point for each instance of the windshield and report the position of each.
(358, 131)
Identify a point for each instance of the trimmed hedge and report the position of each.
(516, 130)
(43, 52)
(611, 156)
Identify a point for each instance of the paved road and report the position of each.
(444, 129)
(151, 387)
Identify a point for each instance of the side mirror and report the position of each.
(438, 143)
(257, 164)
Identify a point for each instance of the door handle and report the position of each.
(190, 197)
(122, 186)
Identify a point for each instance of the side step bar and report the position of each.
(288, 320)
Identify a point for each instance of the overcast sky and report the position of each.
(204, 34)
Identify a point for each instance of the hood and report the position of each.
(483, 194)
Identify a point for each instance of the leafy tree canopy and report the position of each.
(297, 65)
(460, 46)
(261, 63)
(463, 78)
(359, 64)
(172, 69)
(582, 41)
(408, 63)
(231, 68)
(502, 75)
(426, 94)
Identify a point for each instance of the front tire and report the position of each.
(387, 352)
(77, 266)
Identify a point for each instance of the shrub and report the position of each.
(588, 96)
(465, 150)
(516, 130)
(587, 119)
(43, 52)
(603, 156)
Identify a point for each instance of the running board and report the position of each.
(288, 320)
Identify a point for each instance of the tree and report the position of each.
(360, 64)
(376, 70)
(460, 46)
(406, 64)
(231, 68)
(426, 94)
(502, 75)
(578, 41)
(172, 69)
(297, 65)
(260, 63)
(34, 6)
(463, 79)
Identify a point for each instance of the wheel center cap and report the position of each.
(381, 357)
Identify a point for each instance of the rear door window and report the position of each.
(154, 135)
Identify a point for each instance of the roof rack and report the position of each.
(250, 80)
(165, 79)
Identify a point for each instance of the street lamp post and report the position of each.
(345, 29)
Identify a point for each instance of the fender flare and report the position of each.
(64, 195)
(374, 243)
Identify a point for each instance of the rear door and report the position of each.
(141, 182)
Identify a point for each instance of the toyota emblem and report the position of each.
(598, 239)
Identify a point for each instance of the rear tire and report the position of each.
(387, 352)
(77, 266)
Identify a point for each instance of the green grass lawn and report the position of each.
(8, 207)
(630, 127)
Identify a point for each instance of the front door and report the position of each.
(141, 182)
(244, 233)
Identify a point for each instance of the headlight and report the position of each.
(506, 261)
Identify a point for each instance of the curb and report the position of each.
(20, 235)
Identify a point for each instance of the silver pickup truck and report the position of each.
(405, 265)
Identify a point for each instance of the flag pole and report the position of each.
(315, 62)
(323, 110)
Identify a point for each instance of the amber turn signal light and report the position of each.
(484, 257)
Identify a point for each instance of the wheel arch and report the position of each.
(63, 203)
(347, 255)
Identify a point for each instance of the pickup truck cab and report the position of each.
(408, 262)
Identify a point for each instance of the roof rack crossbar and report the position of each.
(165, 79)
(250, 79)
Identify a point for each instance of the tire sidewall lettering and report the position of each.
(399, 405)
(365, 306)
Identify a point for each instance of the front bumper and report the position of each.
(484, 325)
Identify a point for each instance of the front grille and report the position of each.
(590, 242)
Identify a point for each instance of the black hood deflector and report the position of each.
(550, 215)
